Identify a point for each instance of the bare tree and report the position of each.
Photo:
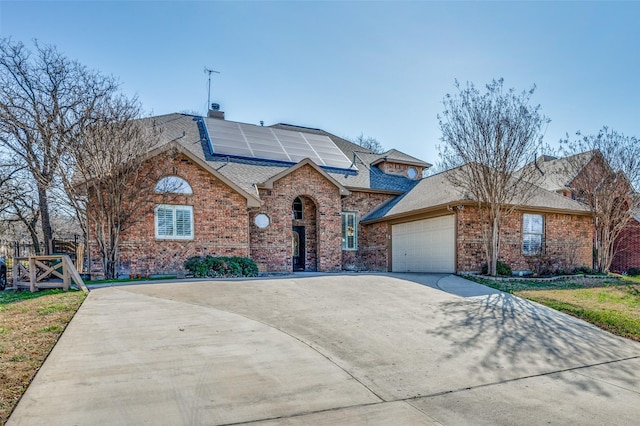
(110, 183)
(21, 209)
(607, 183)
(489, 137)
(369, 142)
(45, 101)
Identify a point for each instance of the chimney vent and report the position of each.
(214, 112)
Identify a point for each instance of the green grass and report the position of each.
(7, 297)
(512, 286)
(52, 329)
(618, 320)
(611, 303)
(635, 279)
(30, 324)
(51, 309)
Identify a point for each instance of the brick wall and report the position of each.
(627, 248)
(398, 169)
(271, 247)
(219, 214)
(372, 252)
(568, 240)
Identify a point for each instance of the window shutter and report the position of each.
(183, 223)
(165, 222)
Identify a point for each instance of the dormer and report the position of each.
(397, 163)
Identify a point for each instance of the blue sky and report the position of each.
(378, 68)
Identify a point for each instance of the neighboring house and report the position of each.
(561, 174)
(628, 247)
(302, 199)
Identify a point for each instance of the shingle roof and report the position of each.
(247, 173)
(393, 155)
(557, 173)
(438, 191)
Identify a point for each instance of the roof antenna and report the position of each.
(209, 71)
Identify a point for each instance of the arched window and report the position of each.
(296, 211)
(173, 184)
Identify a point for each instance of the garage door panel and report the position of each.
(424, 245)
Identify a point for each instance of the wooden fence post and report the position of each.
(66, 264)
(32, 274)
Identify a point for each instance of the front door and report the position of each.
(297, 247)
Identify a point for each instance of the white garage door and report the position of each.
(424, 245)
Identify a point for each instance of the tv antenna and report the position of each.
(209, 71)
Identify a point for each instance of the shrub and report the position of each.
(223, 266)
(217, 266)
(233, 267)
(633, 272)
(586, 271)
(248, 266)
(196, 266)
(543, 264)
(501, 269)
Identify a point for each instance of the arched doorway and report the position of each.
(304, 235)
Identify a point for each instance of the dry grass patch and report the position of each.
(30, 325)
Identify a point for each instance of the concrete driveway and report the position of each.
(338, 349)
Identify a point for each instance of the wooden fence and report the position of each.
(43, 272)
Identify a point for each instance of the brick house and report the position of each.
(435, 227)
(562, 174)
(302, 199)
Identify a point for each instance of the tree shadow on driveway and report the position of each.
(525, 339)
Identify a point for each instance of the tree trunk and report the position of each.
(495, 246)
(492, 242)
(34, 241)
(43, 204)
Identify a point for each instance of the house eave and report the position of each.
(374, 191)
(453, 205)
(398, 161)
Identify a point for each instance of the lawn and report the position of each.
(611, 303)
(30, 325)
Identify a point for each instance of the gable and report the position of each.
(268, 184)
(252, 200)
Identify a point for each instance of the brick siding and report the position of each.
(220, 223)
(372, 252)
(567, 240)
(627, 248)
(271, 248)
(399, 169)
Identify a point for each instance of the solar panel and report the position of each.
(248, 140)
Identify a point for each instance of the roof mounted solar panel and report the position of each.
(266, 143)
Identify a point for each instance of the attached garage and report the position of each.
(424, 245)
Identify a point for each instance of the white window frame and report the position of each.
(345, 230)
(174, 209)
(531, 235)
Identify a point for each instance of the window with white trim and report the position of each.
(174, 222)
(349, 231)
(532, 233)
